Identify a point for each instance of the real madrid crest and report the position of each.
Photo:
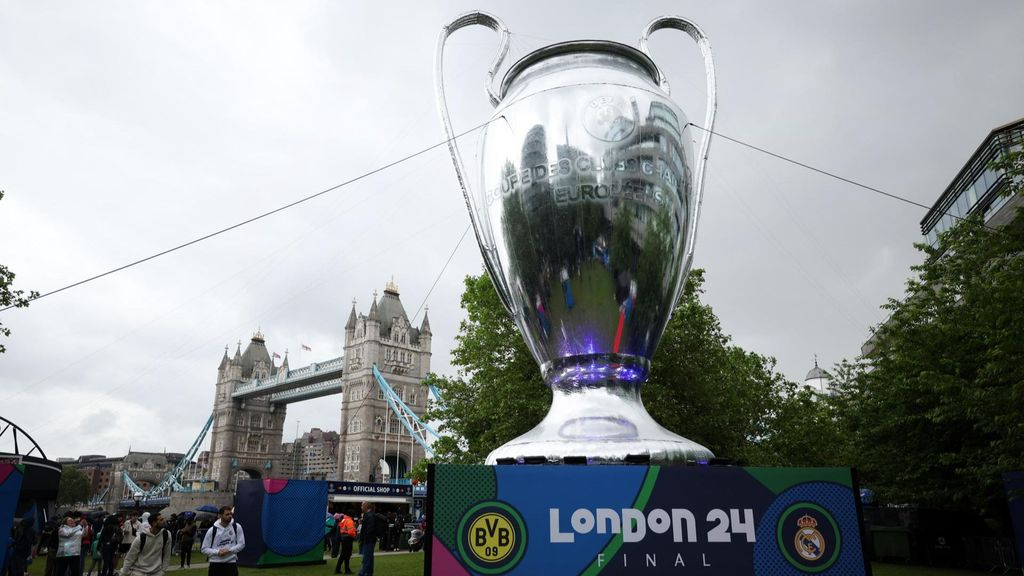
(808, 537)
(809, 543)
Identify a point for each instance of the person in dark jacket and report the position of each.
(48, 540)
(21, 548)
(370, 525)
(109, 539)
(185, 538)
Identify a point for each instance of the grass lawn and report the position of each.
(406, 564)
(400, 564)
(904, 570)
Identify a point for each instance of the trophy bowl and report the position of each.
(586, 211)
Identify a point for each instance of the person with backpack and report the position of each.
(95, 553)
(372, 527)
(222, 543)
(150, 552)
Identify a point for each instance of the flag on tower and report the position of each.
(307, 348)
(276, 355)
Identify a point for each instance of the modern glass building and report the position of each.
(977, 187)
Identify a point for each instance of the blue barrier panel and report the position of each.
(283, 521)
(11, 474)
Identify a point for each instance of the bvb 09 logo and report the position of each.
(492, 537)
(808, 537)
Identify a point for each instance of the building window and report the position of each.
(352, 459)
(380, 393)
(378, 425)
(355, 426)
(400, 393)
(412, 397)
(394, 426)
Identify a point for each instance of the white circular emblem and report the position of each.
(605, 119)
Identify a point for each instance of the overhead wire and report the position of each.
(437, 145)
(829, 174)
(261, 216)
(439, 274)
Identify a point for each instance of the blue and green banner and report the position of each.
(587, 520)
(12, 472)
(283, 521)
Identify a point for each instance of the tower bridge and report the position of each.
(380, 411)
(252, 395)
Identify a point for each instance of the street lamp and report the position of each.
(137, 496)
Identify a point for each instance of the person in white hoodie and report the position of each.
(150, 552)
(222, 543)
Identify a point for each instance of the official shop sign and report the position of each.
(369, 489)
(643, 520)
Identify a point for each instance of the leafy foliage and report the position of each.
(937, 415)
(74, 487)
(502, 395)
(9, 296)
(701, 386)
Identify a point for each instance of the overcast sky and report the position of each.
(129, 127)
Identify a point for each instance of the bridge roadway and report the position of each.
(313, 381)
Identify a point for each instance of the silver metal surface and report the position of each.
(585, 211)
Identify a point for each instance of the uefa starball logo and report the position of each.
(808, 537)
(492, 537)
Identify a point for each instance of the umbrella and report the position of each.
(208, 508)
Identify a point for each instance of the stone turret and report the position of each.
(387, 338)
(425, 338)
(246, 435)
(350, 326)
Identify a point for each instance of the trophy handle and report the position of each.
(684, 25)
(482, 233)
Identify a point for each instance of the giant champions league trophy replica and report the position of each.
(586, 213)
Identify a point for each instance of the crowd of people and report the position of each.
(143, 544)
(371, 530)
(81, 545)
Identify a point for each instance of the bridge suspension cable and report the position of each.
(417, 428)
(436, 393)
(170, 480)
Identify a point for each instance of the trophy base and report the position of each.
(599, 425)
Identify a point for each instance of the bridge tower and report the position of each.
(246, 434)
(369, 430)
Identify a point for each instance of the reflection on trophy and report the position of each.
(585, 211)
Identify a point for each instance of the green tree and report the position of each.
(937, 415)
(710, 390)
(74, 487)
(9, 296)
(501, 394)
(701, 386)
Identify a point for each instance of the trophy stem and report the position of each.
(598, 417)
